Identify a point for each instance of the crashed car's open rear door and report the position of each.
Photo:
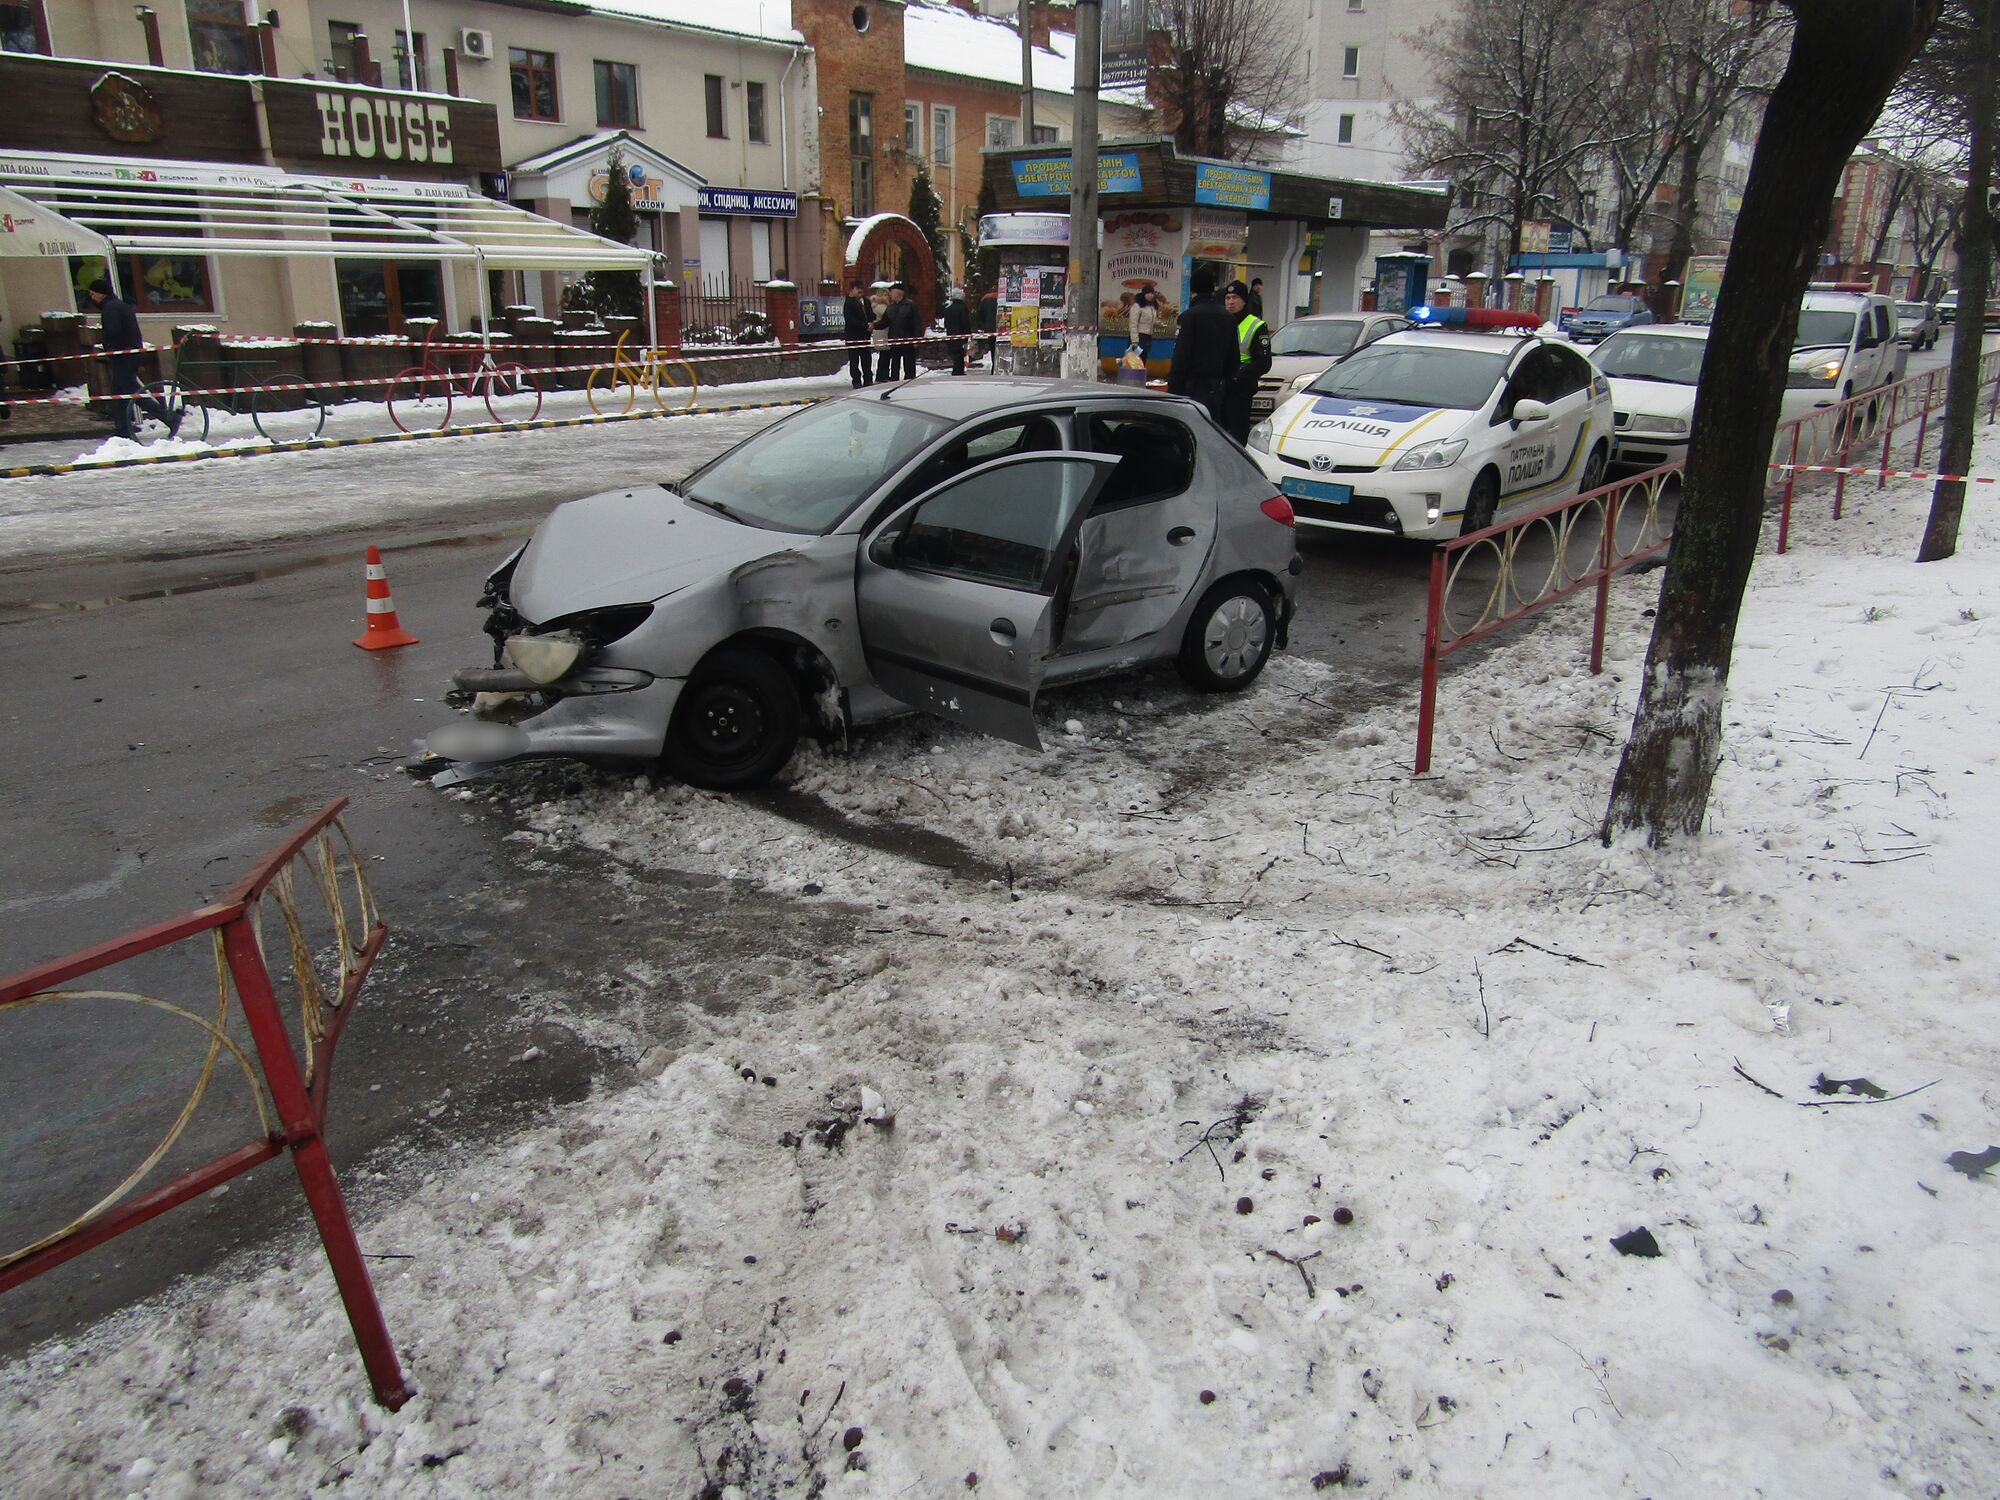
(956, 590)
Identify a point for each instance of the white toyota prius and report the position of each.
(1437, 432)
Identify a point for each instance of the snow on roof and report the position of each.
(766, 20)
(944, 39)
(861, 233)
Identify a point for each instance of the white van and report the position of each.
(1845, 346)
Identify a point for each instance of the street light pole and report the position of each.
(1080, 341)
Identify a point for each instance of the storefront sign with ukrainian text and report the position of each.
(1231, 187)
(1050, 176)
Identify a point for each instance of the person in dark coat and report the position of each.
(1205, 356)
(904, 325)
(857, 318)
(957, 325)
(1256, 295)
(1253, 359)
(121, 342)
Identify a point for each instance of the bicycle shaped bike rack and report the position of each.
(283, 408)
(420, 397)
(613, 389)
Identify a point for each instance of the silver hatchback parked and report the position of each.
(951, 546)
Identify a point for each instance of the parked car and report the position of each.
(1916, 324)
(1434, 433)
(1601, 317)
(1947, 307)
(1653, 374)
(949, 546)
(1306, 347)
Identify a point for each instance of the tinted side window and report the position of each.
(1572, 373)
(1155, 458)
(1532, 379)
(1885, 325)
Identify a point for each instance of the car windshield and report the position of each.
(1912, 310)
(1333, 338)
(1417, 375)
(1651, 356)
(1823, 330)
(805, 473)
(1609, 304)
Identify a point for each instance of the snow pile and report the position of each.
(1204, 1107)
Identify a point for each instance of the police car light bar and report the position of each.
(1425, 316)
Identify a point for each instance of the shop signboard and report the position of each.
(1231, 187)
(764, 203)
(380, 131)
(1217, 234)
(1051, 176)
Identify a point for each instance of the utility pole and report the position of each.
(1024, 20)
(1079, 360)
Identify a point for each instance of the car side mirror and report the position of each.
(1527, 410)
(885, 550)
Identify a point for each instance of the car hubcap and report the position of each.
(1235, 637)
(728, 723)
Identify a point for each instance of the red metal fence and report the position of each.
(291, 1078)
(1485, 582)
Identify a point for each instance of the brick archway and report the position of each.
(895, 230)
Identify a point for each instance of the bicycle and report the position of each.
(283, 408)
(420, 397)
(654, 370)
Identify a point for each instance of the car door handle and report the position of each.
(1180, 536)
(1004, 628)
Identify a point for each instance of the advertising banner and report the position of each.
(1217, 234)
(1051, 176)
(1141, 250)
(1231, 187)
(1122, 50)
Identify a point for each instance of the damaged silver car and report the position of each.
(949, 546)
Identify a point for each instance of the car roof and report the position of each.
(1504, 342)
(960, 399)
(1343, 317)
(1841, 301)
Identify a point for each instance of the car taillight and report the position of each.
(1279, 509)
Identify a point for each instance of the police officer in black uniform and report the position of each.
(1205, 357)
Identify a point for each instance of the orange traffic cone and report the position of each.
(383, 629)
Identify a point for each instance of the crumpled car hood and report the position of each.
(629, 547)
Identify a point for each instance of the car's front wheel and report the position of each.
(1229, 637)
(1481, 503)
(1593, 469)
(736, 724)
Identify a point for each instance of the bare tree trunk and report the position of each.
(1685, 210)
(1846, 54)
(1975, 238)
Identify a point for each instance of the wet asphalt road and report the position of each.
(155, 747)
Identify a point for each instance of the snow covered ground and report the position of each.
(1260, 1120)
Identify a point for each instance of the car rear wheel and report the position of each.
(736, 724)
(1481, 504)
(1229, 637)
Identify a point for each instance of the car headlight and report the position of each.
(1260, 436)
(1822, 371)
(1664, 426)
(545, 658)
(1441, 454)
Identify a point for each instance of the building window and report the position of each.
(418, 77)
(1347, 130)
(340, 60)
(534, 75)
(944, 125)
(158, 285)
(1044, 134)
(753, 104)
(913, 131)
(711, 90)
(1003, 130)
(861, 153)
(220, 38)
(1350, 62)
(23, 27)
(617, 93)
(1355, 4)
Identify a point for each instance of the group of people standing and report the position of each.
(1222, 348)
(897, 318)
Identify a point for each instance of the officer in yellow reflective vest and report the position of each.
(1253, 360)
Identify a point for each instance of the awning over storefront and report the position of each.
(29, 231)
(183, 208)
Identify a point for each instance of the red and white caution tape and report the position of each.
(1858, 471)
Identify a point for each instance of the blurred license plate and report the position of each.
(1316, 489)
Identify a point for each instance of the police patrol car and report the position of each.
(1435, 432)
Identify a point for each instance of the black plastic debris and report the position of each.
(1974, 1163)
(1861, 1086)
(1639, 1241)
